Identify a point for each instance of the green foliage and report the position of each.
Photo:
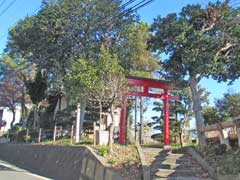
(37, 88)
(134, 56)
(229, 105)
(225, 109)
(103, 150)
(210, 115)
(27, 138)
(19, 128)
(64, 31)
(199, 41)
(81, 79)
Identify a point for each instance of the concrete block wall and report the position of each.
(58, 162)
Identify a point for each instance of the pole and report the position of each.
(94, 134)
(141, 121)
(166, 118)
(72, 134)
(54, 133)
(135, 121)
(78, 123)
(39, 135)
(122, 121)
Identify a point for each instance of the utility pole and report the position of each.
(135, 120)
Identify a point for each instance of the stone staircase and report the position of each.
(173, 165)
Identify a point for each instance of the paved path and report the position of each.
(11, 172)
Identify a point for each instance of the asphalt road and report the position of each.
(11, 172)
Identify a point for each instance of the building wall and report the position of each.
(8, 116)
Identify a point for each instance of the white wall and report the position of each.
(8, 116)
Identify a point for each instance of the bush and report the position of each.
(103, 150)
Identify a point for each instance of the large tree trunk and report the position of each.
(197, 108)
(180, 134)
(23, 107)
(36, 117)
(13, 119)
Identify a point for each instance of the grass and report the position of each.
(67, 142)
(178, 146)
(121, 156)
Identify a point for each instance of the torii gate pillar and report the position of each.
(166, 118)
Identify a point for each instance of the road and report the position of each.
(11, 172)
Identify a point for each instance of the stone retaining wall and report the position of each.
(58, 162)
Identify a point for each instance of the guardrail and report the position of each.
(222, 133)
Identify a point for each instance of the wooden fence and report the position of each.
(222, 133)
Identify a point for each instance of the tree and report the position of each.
(112, 84)
(81, 84)
(133, 55)
(103, 81)
(210, 115)
(229, 105)
(200, 42)
(37, 92)
(65, 31)
(180, 111)
(19, 69)
(10, 94)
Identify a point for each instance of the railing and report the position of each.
(222, 133)
(37, 135)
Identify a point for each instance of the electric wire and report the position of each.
(9, 5)
(133, 8)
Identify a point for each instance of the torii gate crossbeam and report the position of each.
(145, 85)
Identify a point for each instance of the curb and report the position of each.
(145, 165)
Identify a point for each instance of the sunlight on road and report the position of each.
(10, 172)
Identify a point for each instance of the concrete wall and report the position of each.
(58, 162)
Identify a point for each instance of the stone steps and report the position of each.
(174, 165)
(181, 178)
(179, 172)
(178, 166)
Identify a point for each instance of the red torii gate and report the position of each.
(146, 84)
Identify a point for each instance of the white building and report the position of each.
(7, 115)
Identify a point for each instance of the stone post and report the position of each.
(72, 134)
(54, 133)
(39, 135)
(78, 123)
(223, 136)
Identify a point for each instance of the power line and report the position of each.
(9, 5)
(127, 3)
(2, 3)
(134, 8)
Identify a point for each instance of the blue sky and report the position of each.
(22, 8)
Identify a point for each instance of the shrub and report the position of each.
(103, 150)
